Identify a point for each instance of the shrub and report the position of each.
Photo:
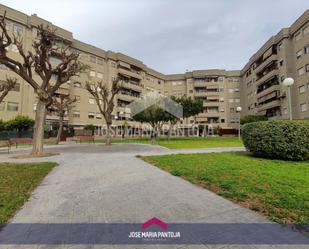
(252, 118)
(282, 139)
(89, 127)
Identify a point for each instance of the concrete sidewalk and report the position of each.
(99, 184)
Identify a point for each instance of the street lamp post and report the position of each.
(288, 82)
(238, 109)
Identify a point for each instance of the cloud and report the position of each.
(172, 35)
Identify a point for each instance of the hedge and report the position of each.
(282, 139)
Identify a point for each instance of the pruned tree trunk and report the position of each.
(60, 129)
(38, 134)
(170, 130)
(108, 135)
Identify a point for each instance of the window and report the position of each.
(308, 86)
(220, 78)
(76, 114)
(307, 68)
(302, 89)
(93, 59)
(306, 30)
(18, 29)
(16, 87)
(222, 109)
(237, 100)
(232, 110)
(231, 100)
(231, 90)
(100, 75)
(91, 101)
(299, 54)
(91, 115)
(77, 98)
(282, 78)
(306, 48)
(113, 64)
(99, 115)
(298, 36)
(100, 61)
(281, 63)
(301, 71)
(12, 107)
(303, 107)
(77, 84)
(221, 99)
(92, 73)
(236, 90)
(2, 106)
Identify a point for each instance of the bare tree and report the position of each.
(39, 61)
(105, 97)
(6, 86)
(61, 105)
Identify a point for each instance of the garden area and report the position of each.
(17, 181)
(187, 142)
(272, 177)
(275, 188)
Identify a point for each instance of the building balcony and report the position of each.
(263, 107)
(63, 91)
(210, 103)
(200, 93)
(268, 90)
(273, 73)
(129, 73)
(266, 63)
(200, 84)
(128, 98)
(132, 86)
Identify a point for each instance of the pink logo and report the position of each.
(154, 221)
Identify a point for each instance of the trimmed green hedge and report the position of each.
(282, 139)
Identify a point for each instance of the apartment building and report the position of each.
(219, 90)
(257, 88)
(284, 55)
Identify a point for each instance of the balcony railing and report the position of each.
(132, 86)
(130, 73)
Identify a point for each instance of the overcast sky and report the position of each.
(172, 36)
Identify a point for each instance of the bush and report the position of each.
(252, 118)
(282, 139)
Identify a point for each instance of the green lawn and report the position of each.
(275, 188)
(17, 181)
(187, 142)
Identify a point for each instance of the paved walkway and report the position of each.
(99, 184)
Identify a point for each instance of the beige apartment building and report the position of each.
(284, 55)
(256, 88)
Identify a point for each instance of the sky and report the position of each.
(172, 36)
